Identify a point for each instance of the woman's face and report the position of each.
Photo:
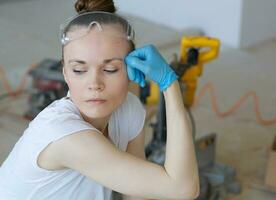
(95, 72)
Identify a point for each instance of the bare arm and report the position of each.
(180, 162)
(90, 153)
(136, 147)
(186, 170)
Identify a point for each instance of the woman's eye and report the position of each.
(111, 71)
(78, 71)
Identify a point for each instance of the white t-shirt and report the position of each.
(22, 179)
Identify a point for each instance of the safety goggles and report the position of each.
(80, 25)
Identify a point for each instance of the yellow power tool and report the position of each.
(194, 52)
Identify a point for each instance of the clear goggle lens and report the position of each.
(82, 24)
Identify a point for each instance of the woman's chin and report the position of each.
(97, 114)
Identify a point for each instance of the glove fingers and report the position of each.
(131, 73)
(137, 77)
(142, 83)
(141, 78)
(136, 63)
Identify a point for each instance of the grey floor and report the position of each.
(29, 32)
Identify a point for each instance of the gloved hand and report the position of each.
(147, 61)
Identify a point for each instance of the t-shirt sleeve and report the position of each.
(49, 127)
(137, 116)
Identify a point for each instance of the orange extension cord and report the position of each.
(220, 114)
(202, 92)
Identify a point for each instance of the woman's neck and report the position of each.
(99, 124)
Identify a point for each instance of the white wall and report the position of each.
(258, 21)
(237, 23)
(217, 18)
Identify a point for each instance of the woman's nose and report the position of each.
(96, 83)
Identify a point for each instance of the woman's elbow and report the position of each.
(190, 192)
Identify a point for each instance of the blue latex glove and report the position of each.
(147, 61)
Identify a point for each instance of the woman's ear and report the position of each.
(64, 74)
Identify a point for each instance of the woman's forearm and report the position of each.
(180, 163)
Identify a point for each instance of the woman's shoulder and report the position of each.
(133, 101)
(59, 119)
(131, 116)
(57, 113)
(131, 108)
(63, 105)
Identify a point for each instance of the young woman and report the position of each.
(91, 142)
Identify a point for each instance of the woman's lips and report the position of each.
(96, 101)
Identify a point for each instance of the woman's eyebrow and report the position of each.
(112, 59)
(78, 61)
(105, 61)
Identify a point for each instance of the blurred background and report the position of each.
(234, 94)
